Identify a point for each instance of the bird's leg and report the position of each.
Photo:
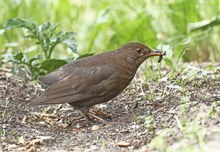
(90, 116)
(84, 113)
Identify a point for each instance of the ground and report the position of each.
(178, 112)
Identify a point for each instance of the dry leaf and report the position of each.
(21, 140)
(123, 144)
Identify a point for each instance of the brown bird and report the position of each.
(93, 80)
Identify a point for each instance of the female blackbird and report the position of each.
(93, 80)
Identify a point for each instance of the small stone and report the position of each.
(95, 127)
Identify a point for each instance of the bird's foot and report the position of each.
(100, 112)
(90, 116)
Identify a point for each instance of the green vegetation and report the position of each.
(45, 36)
(105, 25)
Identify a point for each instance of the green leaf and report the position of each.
(45, 26)
(52, 64)
(36, 57)
(203, 25)
(19, 23)
(85, 55)
(18, 56)
(69, 40)
(169, 63)
(8, 57)
(181, 49)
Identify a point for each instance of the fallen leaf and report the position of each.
(21, 140)
(123, 144)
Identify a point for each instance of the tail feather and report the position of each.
(37, 101)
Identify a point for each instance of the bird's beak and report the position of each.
(156, 53)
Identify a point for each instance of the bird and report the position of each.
(95, 79)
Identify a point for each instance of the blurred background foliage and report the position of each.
(188, 29)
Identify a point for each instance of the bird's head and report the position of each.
(137, 52)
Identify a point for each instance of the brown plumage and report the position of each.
(93, 80)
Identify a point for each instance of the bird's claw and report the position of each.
(90, 115)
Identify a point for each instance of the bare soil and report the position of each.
(184, 106)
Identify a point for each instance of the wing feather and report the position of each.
(82, 84)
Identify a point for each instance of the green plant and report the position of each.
(149, 122)
(159, 142)
(174, 54)
(46, 36)
(192, 130)
(205, 24)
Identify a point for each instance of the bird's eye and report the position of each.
(138, 50)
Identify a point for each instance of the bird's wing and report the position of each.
(83, 84)
(57, 75)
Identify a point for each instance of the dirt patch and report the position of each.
(181, 108)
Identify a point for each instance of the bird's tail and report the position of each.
(37, 101)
